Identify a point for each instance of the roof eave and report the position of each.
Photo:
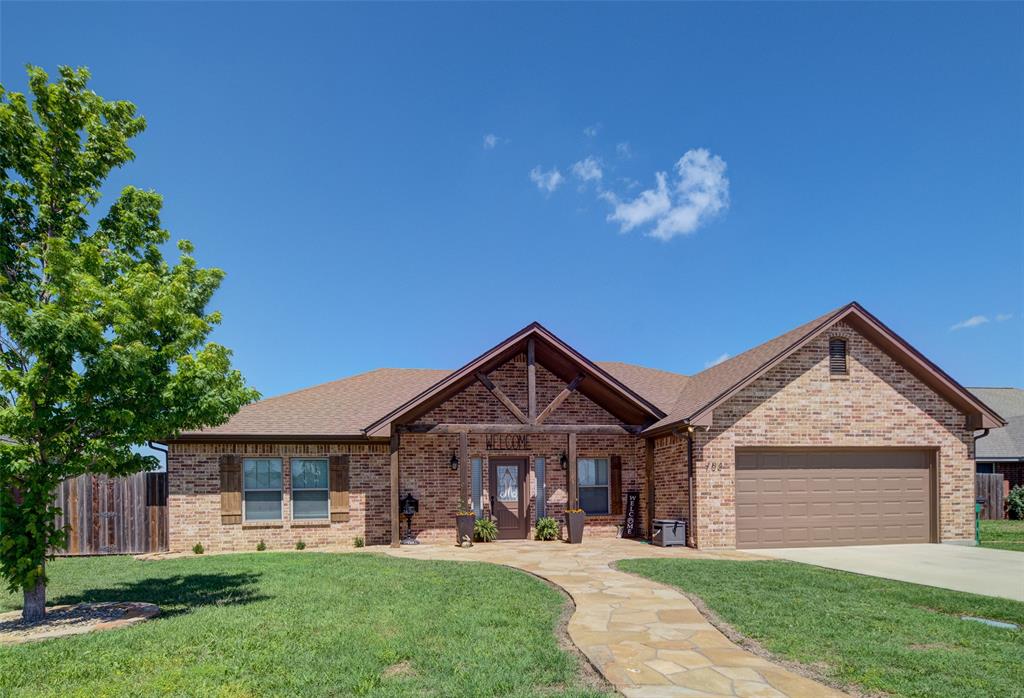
(276, 438)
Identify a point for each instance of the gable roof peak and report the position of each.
(709, 388)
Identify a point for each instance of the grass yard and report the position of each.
(303, 624)
(883, 636)
(1004, 534)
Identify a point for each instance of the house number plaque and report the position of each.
(508, 442)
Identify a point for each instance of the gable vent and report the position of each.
(837, 356)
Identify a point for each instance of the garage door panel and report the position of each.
(807, 497)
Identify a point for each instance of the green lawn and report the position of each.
(883, 636)
(303, 624)
(1005, 534)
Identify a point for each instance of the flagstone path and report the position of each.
(647, 639)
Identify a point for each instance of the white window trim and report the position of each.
(293, 488)
(607, 487)
(247, 490)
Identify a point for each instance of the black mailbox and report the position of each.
(410, 505)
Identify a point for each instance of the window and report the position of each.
(985, 468)
(593, 485)
(538, 470)
(478, 486)
(309, 488)
(837, 356)
(262, 489)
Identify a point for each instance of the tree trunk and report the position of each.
(35, 603)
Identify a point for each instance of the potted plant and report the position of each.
(547, 529)
(486, 530)
(465, 522)
(574, 520)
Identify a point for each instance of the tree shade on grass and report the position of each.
(1005, 534)
(879, 635)
(303, 624)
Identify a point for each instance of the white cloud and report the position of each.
(546, 181)
(1003, 317)
(715, 362)
(972, 321)
(699, 192)
(623, 150)
(490, 141)
(588, 169)
(591, 131)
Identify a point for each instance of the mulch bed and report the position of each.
(61, 621)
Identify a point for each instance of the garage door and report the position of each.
(817, 498)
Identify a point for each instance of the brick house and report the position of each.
(1002, 450)
(837, 432)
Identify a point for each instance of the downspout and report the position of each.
(691, 528)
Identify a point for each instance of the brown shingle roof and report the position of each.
(344, 408)
(339, 408)
(656, 386)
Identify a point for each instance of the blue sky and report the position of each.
(405, 185)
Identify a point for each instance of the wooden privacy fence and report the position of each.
(990, 487)
(114, 515)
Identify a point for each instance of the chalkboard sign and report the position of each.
(631, 526)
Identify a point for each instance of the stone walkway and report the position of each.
(647, 639)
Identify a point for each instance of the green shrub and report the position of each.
(547, 529)
(485, 530)
(1015, 502)
(359, 542)
(198, 549)
(261, 546)
(300, 545)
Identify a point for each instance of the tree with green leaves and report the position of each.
(103, 342)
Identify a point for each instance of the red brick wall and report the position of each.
(671, 498)
(799, 404)
(1013, 474)
(193, 502)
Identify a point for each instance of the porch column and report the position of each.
(463, 465)
(395, 536)
(573, 494)
(649, 447)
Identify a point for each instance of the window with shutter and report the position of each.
(837, 356)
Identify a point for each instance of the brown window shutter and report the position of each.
(230, 489)
(615, 480)
(339, 488)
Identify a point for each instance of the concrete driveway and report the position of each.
(960, 568)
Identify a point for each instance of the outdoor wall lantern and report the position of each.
(454, 462)
(564, 461)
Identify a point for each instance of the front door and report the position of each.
(508, 496)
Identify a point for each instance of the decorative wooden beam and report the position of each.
(448, 428)
(651, 492)
(574, 500)
(560, 398)
(531, 380)
(502, 397)
(395, 535)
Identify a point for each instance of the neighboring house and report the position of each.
(835, 433)
(1002, 450)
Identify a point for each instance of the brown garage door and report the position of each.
(805, 498)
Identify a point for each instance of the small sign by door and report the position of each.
(631, 526)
